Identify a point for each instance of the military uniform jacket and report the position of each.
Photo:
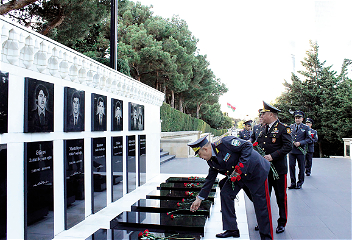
(245, 134)
(314, 136)
(300, 135)
(231, 151)
(256, 130)
(277, 142)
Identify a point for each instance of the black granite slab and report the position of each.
(163, 206)
(176, 195)
(159, 222)
(120, 234)
(188, 179)
(184, 186)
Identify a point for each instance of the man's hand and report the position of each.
(268, 157)
(195, 205)
(297, 144)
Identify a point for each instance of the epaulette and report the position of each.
(288, 129)
(218, 142)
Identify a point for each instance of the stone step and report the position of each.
(162, 154)
(166, 158)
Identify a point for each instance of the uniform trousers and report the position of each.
(309, 160)
(280, 188)
(292, 163)
(261, 202)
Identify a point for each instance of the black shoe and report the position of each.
(228, 233)
(299, 186)
(280, 229)
(307, 174)
(293, 186)
(256, 228)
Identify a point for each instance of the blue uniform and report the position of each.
(300, 133)
(309, 157)
(245, 134)
(231, 152)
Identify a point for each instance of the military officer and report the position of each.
(309, 156)
(300, 138)
(243, 166)
(276, 142)
(257, 128)
(246, 133)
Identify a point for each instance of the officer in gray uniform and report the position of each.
(300, 137)
(257, 128)
(243, 166)
(246, 133)
(309, 156)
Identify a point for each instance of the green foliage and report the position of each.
(174, 120)
(324, 96)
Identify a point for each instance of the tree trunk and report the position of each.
(320, 150)
(172, 99)
(180, 104)
(165, 90)
(14, 5)
(198, 108)
(56, 22)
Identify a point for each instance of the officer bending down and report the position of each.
(243, 167)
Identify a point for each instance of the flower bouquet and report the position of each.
(262, 152)
(147, 235)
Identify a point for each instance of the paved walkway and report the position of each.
(320, 210)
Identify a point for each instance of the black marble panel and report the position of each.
(74, 184)
(38, 106)
(116, 115)
(73, 110)
(136, 116)
(196, 186)
(160, 222)
(131, 163)
(117, 167)
(99, 106)
(181, 206)
(142, 160)
(99, 173)
(4, 89)
(39, 190)
(120, 234)
(3, 190)
(188, 179)
(176, 194)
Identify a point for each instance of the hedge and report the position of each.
(174, 120)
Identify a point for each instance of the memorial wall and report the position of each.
(75, 135)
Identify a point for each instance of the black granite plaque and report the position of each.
(131, 163)
(176, 194)
(4, 89)
(3, 190)
(38, 189)
(38, 106)
(116, 115)
(195, 186)
(188, 179)
(173, 206)
(136, 116)
(99, 173)
(160, 222)
(117, 167)
(142, 160)
(74, 184)
(73, 110)
(99, 106)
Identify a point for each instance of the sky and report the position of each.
(253, 46)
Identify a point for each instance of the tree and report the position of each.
(325, 97)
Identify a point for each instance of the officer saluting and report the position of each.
(300, 137)
(246, 133)
(309, 157)
(243, 166)
(276, 141)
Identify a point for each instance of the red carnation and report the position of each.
(140, 234)
(146, 231)
(178, 204)
(183, 199)
(312, 135)
(197, 184)
(172, 216)
(233, 179)
(238, 178)
(255, 144)
(187, 193)
(185, 184)
(239, 172)
(167, 213)
(237, 168)
(241, 165)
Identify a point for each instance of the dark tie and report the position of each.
(267, 128)
(297, 128)
(41, 118)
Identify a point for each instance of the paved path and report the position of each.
(320, 210)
